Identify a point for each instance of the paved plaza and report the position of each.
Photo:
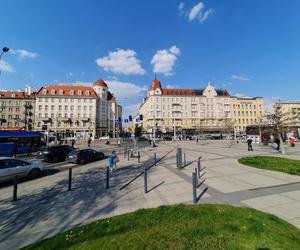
(45, 206)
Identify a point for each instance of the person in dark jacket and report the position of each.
(249, 142)
(277, 141)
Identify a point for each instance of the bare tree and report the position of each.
(228, 124)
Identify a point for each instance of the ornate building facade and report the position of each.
(206, 110)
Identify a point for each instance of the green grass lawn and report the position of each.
(285, 165)
(181, 227)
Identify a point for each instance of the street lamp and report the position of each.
(4, 50)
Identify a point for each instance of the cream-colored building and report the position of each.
(289, 112)
(76, 111)
(206, 110)
(245, 112)
(17, 109)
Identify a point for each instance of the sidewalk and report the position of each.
(48, 209)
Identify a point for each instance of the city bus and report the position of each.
(20, 142)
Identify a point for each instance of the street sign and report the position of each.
(126, 120)
(138, 119)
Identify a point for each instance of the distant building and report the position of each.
(17, 109)
(206, 110)
(290, 112)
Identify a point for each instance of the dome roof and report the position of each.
(100, 83)
(155, 84)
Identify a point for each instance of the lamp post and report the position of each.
(4, 50)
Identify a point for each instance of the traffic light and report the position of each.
(44, 127)
(130, 118)
(141, 117)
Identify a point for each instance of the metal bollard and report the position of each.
(197, 182)
(145, 180)
(139, 157)
(199, 167)
(154, 159)
(70, 179)
(179, 157)
(184, 159)
(194, 188)
(15, 190)
(128, 154)
(107, 177)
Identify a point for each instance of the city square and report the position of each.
(45, 207)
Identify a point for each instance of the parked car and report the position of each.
(10, 167)
(55, 153)
(208, 137)
(168, 138)
(82, 156)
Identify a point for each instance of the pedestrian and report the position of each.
(197, 139)
(119, 143)
(249, 142)
(292, 141)
(73, 143)
(112, 161)
(277, 141)
(89, 142)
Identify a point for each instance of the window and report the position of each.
(59, 107)
(52, 107)
(66, 107)
(72, 108)
(61, 92)
(17, 103)
(45, 91)
(40, 107)
(52, 115)
(79, 92)
(87, 92)
(17, 109)
(72, 92)
(40, 115)
(52, 92)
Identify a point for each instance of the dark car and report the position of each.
(82, 156)
(54, 153)
(168, 138)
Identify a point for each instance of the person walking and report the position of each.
(292, 141)
(73, 143)
(277, 141)
(89, 142)
(249, 142)
(112, 161)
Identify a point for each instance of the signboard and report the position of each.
(138, 119)
(126, 120)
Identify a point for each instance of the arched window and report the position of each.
(45, 91)
(72, 92)
(52, 92)
(79, 92)
(61, 92)
(87, 92)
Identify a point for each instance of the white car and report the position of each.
(104, 138)
(10, 167)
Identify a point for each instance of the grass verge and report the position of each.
(280, 164)
(181, 227)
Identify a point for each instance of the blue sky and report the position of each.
(248, 47)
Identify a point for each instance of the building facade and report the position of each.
(289, 112)
(76, 111)
(17, 109)
(206, 110)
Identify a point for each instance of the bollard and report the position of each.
(107, 177)
(128, 154)
(145, 180)
(15, 190)
(179, 158)
(70, 179)
(199, 167)
(184, 160)
(139, 157)
(194, 188)
(154, 159)
(197, 182)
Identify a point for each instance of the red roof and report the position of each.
(155, 84)
(67, 90)
(100, 83)
(13, 94)
(185, 92)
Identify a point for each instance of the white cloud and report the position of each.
(131, 109)
(164, 60)
(121, 62)
(169, 86)
(240, 78)
(180, 8)
(195, 11)
(70, 74)
(5, 67)
(23, 53)
(205, 15)
(125, 89)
